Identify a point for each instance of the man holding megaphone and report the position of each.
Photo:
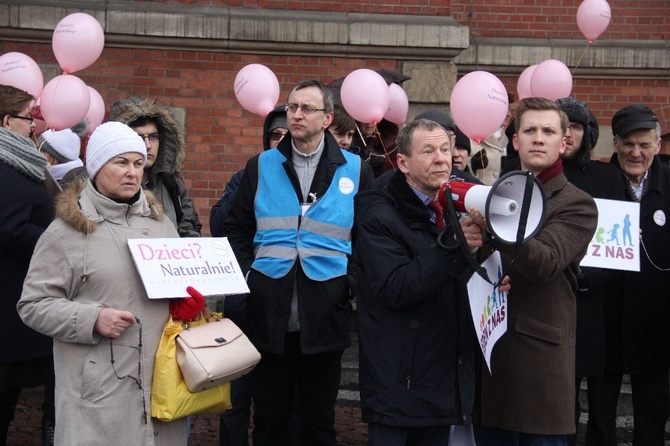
(416, 336)
(528, 397)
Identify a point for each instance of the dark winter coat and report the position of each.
(26, 209)
(532, 385)
(324, 308)
(416, 337)
(637, 322)
(599, 180)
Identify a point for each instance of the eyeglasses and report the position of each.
(27, 118)
(276, 136)
(137, 379)
(152, 137)
(306, 109)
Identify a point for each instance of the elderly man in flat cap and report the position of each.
(637, 323)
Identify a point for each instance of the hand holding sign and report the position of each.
(188, 308)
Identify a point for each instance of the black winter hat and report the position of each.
(441, 118)
(462, 140)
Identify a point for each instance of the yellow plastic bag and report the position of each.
(170, 399)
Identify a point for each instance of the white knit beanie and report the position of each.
(63, 145)
(109, 140)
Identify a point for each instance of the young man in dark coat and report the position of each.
(290, 227)
(636, 321)
(528, 397)
(416, 335)
(599, 180)
(166, 151)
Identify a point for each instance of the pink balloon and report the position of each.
(551, 80)
(96, 110)
(398, 105)
(20, 71)
(479, 104)
(593, 18)
(257, 89)
(64, 102)
(365, 96)
(523, 84)
(77, 42)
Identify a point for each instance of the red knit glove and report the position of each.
(188, 308)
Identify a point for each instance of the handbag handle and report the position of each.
(207, 315)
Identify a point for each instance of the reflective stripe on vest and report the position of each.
(323, 240)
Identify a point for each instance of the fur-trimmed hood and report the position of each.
(82, 207)
(172, 151)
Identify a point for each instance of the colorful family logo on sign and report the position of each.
(615, 244)
(488, 306)
(167, 266)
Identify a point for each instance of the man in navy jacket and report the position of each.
(416, 336)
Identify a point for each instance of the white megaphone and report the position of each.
(501, 204)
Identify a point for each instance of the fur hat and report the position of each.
(64, 145)
(109, 140)
(577, 111)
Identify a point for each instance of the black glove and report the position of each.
(582, 282)
(479, 161)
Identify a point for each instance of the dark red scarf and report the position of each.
(550, 172)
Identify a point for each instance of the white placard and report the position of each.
(488, 306)
(616, 243)
(169, 265)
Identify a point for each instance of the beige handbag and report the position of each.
(214, 353)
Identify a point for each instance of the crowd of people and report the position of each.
(332, 211)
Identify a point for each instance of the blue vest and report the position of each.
(321, 238)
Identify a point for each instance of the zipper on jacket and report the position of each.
(409, 379)
(128, 215)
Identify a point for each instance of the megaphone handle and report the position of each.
(460, 237)
(525, 210)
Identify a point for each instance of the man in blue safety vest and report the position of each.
(290, 227)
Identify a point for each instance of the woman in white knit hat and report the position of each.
(61, 147)
(83, 290)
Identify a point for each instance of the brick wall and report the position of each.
(221, 136)
(642, 19)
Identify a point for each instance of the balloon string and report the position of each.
(588, 45)
(360, 134)
(386, 153)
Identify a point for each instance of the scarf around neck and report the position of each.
(550, 172)
(21, 154)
